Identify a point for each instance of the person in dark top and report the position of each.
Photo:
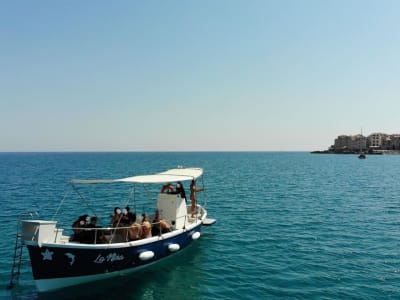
(131, 216)
(125, 218)
(81, 222)
(94, 236)
(180, 190)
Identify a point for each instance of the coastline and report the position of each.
(375, 152)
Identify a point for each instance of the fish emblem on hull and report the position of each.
(71, 257)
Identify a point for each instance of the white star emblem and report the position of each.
(47, 255)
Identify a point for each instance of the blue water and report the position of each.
(289, 225)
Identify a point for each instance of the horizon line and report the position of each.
(146, 151)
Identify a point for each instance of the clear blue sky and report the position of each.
(196, 75)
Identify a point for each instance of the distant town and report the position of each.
(375, 143)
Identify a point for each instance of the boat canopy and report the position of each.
(172, 175)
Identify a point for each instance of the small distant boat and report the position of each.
(361, 155)
(59, 261)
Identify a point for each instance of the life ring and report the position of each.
(167, 189)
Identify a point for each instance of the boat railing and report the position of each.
(42, 231)
(199, 212)
(105, 235)
(109, 235)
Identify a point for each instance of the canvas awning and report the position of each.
(172, 175)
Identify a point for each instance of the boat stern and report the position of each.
(37, 232)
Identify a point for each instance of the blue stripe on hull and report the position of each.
(59, 262)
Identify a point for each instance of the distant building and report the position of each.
(341, 143)
(375, 143)
(357, 143)
(376, 140)
(350, 143)
(392, 142)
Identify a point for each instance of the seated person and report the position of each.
(124, 222)
(81, 222)
(167, 188)
(116, 218)
(160, 226)
(146, 227)
(135, 229)
(129, 214)
(94, 236)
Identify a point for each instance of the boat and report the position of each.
(60, 260)
(361, 155)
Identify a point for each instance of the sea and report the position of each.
(290, 225)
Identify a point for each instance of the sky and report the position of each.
(222, 75)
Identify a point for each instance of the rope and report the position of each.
(133, 197)
(61, 203)
(149, 195)
(204, 190)
(114, 232)
(83, 199)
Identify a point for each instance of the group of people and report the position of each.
(168, 188)
(126, 220)
(179, 190)
(126, 226)
(122, 218)
(84, 232)
(131, 230)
